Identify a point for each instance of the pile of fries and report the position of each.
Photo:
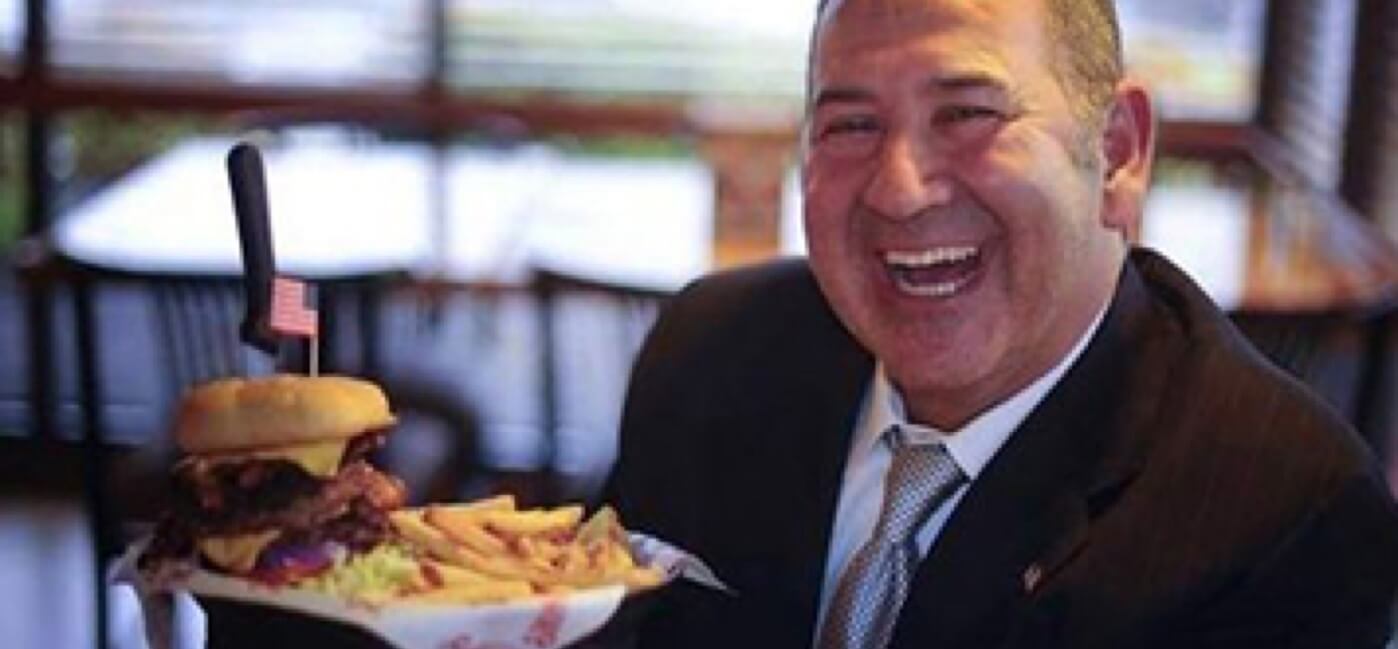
(490, 551)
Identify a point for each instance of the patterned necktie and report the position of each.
(874, 584)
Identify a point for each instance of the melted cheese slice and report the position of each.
(321, 459)
(236, 553)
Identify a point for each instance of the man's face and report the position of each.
(954, 206)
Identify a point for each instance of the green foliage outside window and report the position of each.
(90, 149)
(97, 146)
(11, 180)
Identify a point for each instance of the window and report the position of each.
(1203, 57)
(311, 42)
(11, 35)
(632, 48)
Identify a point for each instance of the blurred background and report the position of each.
(496, 196)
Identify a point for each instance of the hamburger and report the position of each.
(274, 484)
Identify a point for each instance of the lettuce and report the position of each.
(375, 577)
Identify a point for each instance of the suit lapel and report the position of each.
(1029, 513)
(790, 448)
(830, 417)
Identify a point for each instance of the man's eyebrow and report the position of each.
(841, 95)
(955, 82)
(967, 81)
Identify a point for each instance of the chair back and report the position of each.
(589, 333)
(1346, 357)
(197, 321)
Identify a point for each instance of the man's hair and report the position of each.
(1087, 58)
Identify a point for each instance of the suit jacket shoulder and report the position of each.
(1229, 406)
(1289, 526)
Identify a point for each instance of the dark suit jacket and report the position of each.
(1174, 490)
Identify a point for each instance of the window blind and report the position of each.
(631, 48)
(1305, 96)
(309, 42)
(1371, 156)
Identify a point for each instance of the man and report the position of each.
(977, 418)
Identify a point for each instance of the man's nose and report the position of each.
(911, 177)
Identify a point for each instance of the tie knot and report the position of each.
(920, 478)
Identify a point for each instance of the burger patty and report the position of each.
(264, 494)
(361, 446)
(211, 492)
(360, 528)
(253, 495)
(358, 484)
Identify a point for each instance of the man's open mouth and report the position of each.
(938, 272)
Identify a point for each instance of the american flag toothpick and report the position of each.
(294, 314)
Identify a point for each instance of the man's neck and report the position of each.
(950, 412)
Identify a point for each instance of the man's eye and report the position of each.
(959, 114)
(849, 126)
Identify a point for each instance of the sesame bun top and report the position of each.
(231, 415)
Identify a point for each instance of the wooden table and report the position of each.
(462, 215)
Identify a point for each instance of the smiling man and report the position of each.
(977, 417)
(967, 225)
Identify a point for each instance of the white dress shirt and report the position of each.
(861, 492)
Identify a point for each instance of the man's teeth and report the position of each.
(940, 289)
(931, 256)
(908, 265)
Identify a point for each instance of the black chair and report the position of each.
(1376, 405)
(1344, 356)
(561, 296)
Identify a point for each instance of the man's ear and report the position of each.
(1128, 147)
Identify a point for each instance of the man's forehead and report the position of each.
(857, 20)
(977, 32)
(890, 8)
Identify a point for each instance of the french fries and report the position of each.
(463, 526)
(491, 551)
(418, 533)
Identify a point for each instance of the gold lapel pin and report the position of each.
(1032, 576)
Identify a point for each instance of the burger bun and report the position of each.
(234, 415)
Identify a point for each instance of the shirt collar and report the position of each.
(977, 442)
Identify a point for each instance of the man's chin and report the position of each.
(938, 383)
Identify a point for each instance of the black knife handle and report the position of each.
(249, 185)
